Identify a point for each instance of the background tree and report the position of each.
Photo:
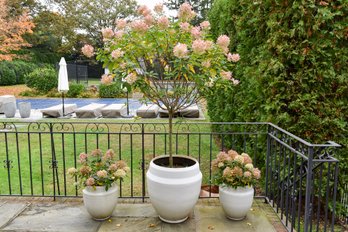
(201, 7)
(91, 16)
(12, 28)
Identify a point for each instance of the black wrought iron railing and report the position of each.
(299, 178)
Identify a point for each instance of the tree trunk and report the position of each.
(170, 115)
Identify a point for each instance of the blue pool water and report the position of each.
(41, 103)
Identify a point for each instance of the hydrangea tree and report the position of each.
(171, 61)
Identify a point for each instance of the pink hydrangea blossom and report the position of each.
(117, 53)
(144, 10)
(88, 50)
(139, 26)
(206, 63)
(199, 46)
(250, 167)
(237, 171)
(185, 12)
(205, 25)
(106, 79)
(163, 22)
(158, 8)
(235, 81)
(102, 174)
(121, 164)
(121, 24)
(131, 78)
(233, 154)
(223, 41)
(196, 32)
(83, 157)
(85, 170)
(226, 75)
(185, 27)
(123, 65)
(233, 57)
(180, 50)
(90, 181)
(96, 152)
(239, 159)
(107, 33)
(148, 20)
(119, 34)
(257, 173)
(71, 171)
(120, 173)
(247, 174)
(113, 167)
(109, 154)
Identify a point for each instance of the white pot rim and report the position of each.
(174, 170)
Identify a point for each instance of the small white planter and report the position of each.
(24, 109)
(10, 109)
(236, 202)
(100, 203)
(174, 191)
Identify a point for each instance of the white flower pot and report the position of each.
(100, 203)
(236, 202)
(10, 109)
(174, 191)
(24, 109)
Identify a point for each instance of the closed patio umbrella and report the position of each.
(63, 84)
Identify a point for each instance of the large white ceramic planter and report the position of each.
(174, 191)
(236, 202)
(100, 203)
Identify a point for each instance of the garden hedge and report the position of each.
(293, 68)
(13, 72)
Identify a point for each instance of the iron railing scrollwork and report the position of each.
(300, 178)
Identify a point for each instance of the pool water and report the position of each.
(41, 103)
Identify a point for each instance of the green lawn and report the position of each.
(35, 150)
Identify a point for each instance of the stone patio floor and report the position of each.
(69, 214)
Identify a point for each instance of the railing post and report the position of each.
(143, 160)
(268, 154)
(309, 187)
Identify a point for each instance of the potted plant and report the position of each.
(98, 174)
(173, 63)
(236, 177)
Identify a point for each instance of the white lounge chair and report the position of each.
(114, 111)
(148, 111)
(189, 112)
(57, 110)
(92, 110)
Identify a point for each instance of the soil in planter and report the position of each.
(178, 162)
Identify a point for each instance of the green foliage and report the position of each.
(42, 79)
(13, 72)
(293, 68)
(7, 75)
(112, 90)
(75, 89)
(201, 7)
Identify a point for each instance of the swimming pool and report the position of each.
(41, 103)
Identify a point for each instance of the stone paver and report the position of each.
(70, 215)
(9, 211)
(53, 217)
